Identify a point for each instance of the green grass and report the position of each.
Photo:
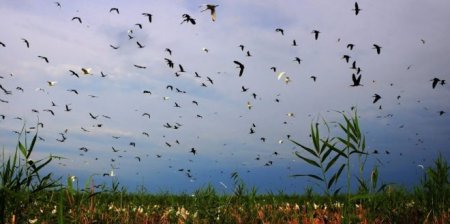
(28, 196)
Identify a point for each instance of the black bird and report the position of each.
(242, 47)
(3, 45)
(84, 149)
(114, 9)
(140, 66)
(297, 59)
(19, 88)
(93, 117)
(254, 95)
(294, 43)
(209, 80)
(350, 46)
(139, 44)
(169, 87)
(377, 47)
(73, 90)
(146, 114)
(240, 66)
(187, 18)
(77, 18)
(138, 158)
(279, 30)
(313, 78)
(74, 73)
(193, 151)
(435, 82)
(114, 150)
(45, 58)
(195, 102)
(67, 108)
(176, 105)
(133, 144)
(26, 42)
(169, 51)
(169, 62)
(244, 89)
(248, 54)
(346, 57)
(50, 111)
(274, 69)
(149, 16)
(147, 92)
(138, 25)
(252, 131)
(181, 68)
(316, 34)
(441, 113)
(169, 145)
(356, 80)
(114, 47)
(356, 9)
(58, 4)
(376, 98)
(442, 82)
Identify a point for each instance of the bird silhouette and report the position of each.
(140, 66)
(168, 51)
(350, 46)
(169, 62)
(279, 30)
(114, 47)
(187, 18)
(298, 60)
(313, 78)
(73, 90)
(114, 9)
(294, 43)
(356, 9)
(356, 80)
(212, 9)
(435, 82)
(77, 18)
(240, 66)
(44, 58)
(377, 47)
(74, 73)
(376, 98)
(316, 34)
(148, 15)
(26, 42)
(139, 44)
(86, 71)
(242, 47)
(2, 44)
(346, 57)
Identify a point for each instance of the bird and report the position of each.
(273, 68)
(77, 18)
(356, 9)
(50, 111)
(74, 73)
(169, 62)
(244, 89)
(26, 42)
(86, 71)
(205, 49)
(187, 18)
(114, 9)
(138, 25)
(297, 59)
(248, 54)
(435, 82)
(146, 114)
(67, 108)
(313, 78)
(2, 44)
(138, 158)
(193, 151)
(146, 92)
(240, 66)
(356, 80)
(58, 4)
(212, 9)
(169, 51)
(280, 30)
(181, 68)
(139, 44)
(149, 16)
(51, 83)
(346, 57)
(73, 90)
(249, 105)
(350, 46)
(242, 47)
(316, 34)
(376, 98)
(44, 58)
(93, 117)
(209, 80)
(377, 47)
(441, 113)
(140, 66)
(294, 43)
(114, 47)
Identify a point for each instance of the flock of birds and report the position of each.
(54, 108)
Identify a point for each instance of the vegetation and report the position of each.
(26, 196)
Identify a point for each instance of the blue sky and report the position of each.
(222, 136)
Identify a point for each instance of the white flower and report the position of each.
(32, 220)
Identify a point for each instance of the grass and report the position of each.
(27, 196)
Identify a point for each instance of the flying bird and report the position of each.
(114, 47)
(212, 9)
(356, 80)
(26, 42)
(376, 98)
(77, 18)
(280, 30)
(435, 82)
(51, 83)
(140, 66)
(377, 47)
(74, 73)
(316, 34)
(294, 43)
(313, 78)
(346, 57)
(2, 44)
(169, 51)
(139, 44)
(350, 46)
(44, 58)
(240, 66)
(73, 90)
(297, 59)
(149, 16)
(187, 18)
(114, 9)
(356, 9)
(169, 62)
(86, 71)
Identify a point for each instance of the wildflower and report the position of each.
(32, 220)
(54, 210)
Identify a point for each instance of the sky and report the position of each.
(220, 121)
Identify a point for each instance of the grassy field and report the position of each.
(28, 196)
